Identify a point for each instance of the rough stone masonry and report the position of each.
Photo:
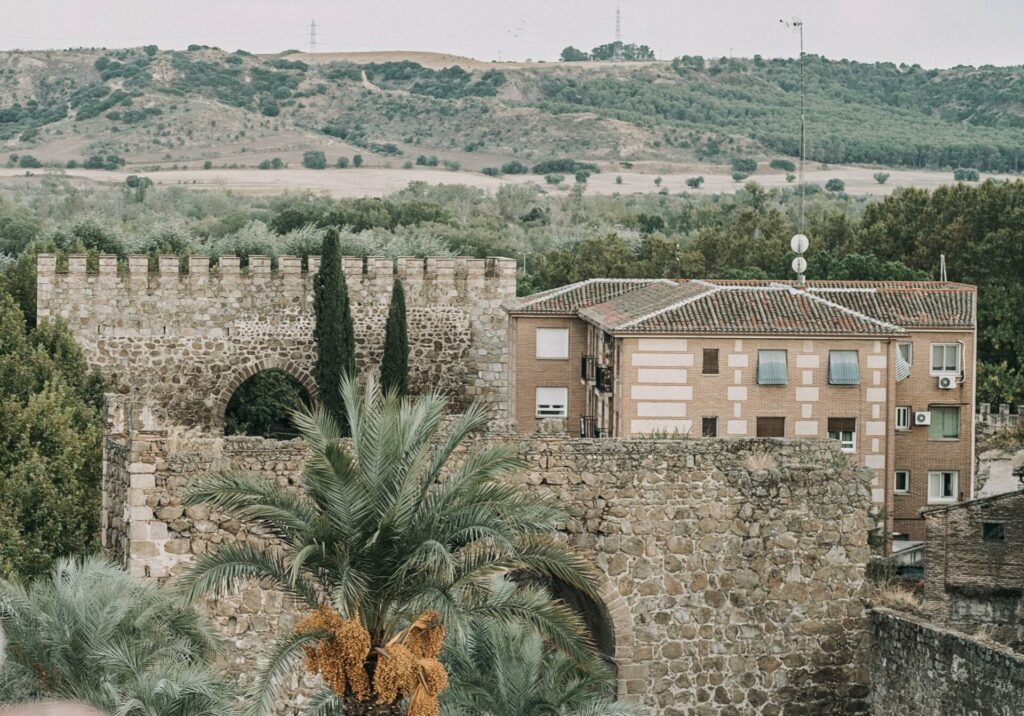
(181, 342)
(731, 571)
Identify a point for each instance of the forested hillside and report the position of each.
(152, 108)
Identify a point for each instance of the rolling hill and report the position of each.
(156, 109)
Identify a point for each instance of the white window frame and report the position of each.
(932, 370)
(938, 474)
(909, 413)
(550, 405)
(910, 352)
(848, 444)
(895, 482)
(557, 345)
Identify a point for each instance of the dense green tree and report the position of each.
(50, 457)
(314, 160)
(394, 365)
(88, 632)
(334, 333)
(835, 185)
(376, 539)
(571, 54)
(18, 228)
(263, 405)
(510, 671)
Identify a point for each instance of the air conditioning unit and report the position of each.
(923, 418)
(947, 382)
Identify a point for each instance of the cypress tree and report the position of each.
(333, 333)
(394, 366)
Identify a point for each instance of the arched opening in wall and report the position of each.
(595, 616)
(262, 405)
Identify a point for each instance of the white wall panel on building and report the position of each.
(737, 392)
(810, 361)
(737, 360)
(807, 395)
(682, 427)
(663, 344)
(661, 410)
(736, 427)
(662, 359)
(805, 427)
(661, 375)
(662, 392)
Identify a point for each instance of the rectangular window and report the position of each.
(709, 427)
(845, 431)
(945, 422)
(552, 402)
(553, 343)
(901, 482)
(993, 530)
(942, 486)
(843, 368)
(771, 368)
(903, 417)
(771, 427)
(906, 352)
(710, 361)
(945, 358)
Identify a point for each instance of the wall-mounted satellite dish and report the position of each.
(799, 243)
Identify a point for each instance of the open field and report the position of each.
(374, 181)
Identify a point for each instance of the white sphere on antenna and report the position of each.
(799, 264)
(799, 243)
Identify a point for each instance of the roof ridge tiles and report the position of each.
(711, 288)
(852, 312)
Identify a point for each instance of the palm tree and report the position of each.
(93, 634)
(394, 539)
(504, 671)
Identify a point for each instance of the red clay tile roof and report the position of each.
(704, 308)
(877, 308)
(573, 297)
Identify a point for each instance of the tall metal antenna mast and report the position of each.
(312, 37)
(799, 25)
(617, 52)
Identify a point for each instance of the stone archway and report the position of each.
(218, 403)
(607, 619)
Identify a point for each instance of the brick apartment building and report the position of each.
(887, 368)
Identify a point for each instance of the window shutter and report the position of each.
(842, 425)
(843, 368)
(902, 367)
(710, 361)
(771, 427)
(771, 368)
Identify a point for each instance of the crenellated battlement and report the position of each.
(184, 332)
(356, 267)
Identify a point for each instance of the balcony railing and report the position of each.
(588, 369)
(589, 427)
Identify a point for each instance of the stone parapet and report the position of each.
(182, 334)
(723, 587)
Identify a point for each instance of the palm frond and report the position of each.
(281, 659)
(218, 573)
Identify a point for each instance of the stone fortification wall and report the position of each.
(919, 669)
(181, 342)
(731, 571)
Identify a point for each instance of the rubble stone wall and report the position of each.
(181, 342)
(920, 669)
(731, 571)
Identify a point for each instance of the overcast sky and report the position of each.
(934, 33)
